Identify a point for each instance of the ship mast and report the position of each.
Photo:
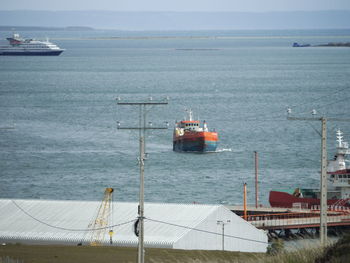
(339, 138)
(342, 149)
(190, 114)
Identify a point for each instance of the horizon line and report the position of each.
(169, 11)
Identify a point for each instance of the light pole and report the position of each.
(223, 223)
(142, 127)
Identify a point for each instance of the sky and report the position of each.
(178, 5)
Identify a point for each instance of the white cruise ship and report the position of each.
(29, 47)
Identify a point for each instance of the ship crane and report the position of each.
(103, 218)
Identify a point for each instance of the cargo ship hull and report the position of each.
(283, 199)
(338, 181)
(191, 136)
(196, 142)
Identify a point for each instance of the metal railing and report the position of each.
(297, 220)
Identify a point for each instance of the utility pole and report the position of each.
(223, 231)
(256, 180)
(323, 187)
(142, 127)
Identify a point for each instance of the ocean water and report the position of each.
(58, 131)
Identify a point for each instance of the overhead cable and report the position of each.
(206, 231)
(70, 229)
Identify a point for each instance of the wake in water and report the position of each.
(223, 150)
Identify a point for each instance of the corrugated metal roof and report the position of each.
(16, 225)
(184, 226)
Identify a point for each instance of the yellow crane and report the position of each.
(100, 223)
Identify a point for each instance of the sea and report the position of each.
(59, 137)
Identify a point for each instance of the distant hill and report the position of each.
(40, 28)
(178, 20)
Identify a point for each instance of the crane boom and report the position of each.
(100, 223)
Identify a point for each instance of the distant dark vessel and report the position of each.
(334, 44)
(330, 44)
(28, 47)
(295, 44)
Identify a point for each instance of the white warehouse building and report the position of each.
(177, 226)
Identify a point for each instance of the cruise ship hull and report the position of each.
(196, 142)
(31, 53)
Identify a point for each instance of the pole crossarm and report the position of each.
(316, 119)
(142, 127)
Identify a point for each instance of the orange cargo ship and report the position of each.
(189, 136)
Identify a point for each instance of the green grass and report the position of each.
(86, 254)
(337, 253)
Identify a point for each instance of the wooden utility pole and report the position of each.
(245, 201)
(256, 180)
(323, 186)
(142, 127)
(324, 207)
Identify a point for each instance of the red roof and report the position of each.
(189, 121)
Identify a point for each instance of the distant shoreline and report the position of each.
(167, 20)
(185, 37)
(118, 34)
(87, 28)
(330, 44)
(40, 28)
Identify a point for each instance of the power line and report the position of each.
(323, 187)
(324, 96)
(68, 229)
(206, 231)
(90, 123)
(302, 105)
(130, 221)
(142, 127)
(325, 105)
